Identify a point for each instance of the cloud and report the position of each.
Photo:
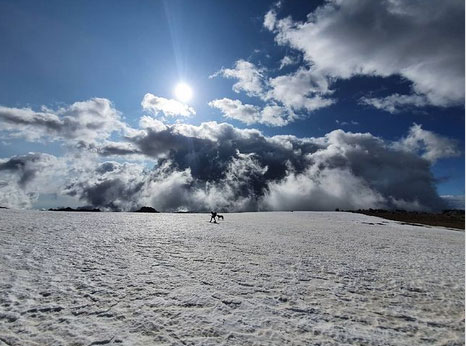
(218, 166)
(111, 148)
(235, 109)
(356, 170)
(275, 115)
(429, 145)
(88, 121)
(323, 190)
(346, 123)
(288, 60)
(454, 201)
(208, 148)
(271, 115)
(110, 185)
(168, 107)
(340, 170)
(300, 90)
(11, 196)
(24, 177)
(250, 78)
(26, 167)
(395, 103)
(116, 186)
(270, 19)
(421, 42)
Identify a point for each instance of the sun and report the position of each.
(183, 92)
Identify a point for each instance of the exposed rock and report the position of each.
(77, 209)
(146, 210)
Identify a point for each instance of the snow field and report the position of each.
(257, 278)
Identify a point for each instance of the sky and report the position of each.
(295, 105)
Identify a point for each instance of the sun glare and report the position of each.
(183, 92)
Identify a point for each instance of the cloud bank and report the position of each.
(218, 166)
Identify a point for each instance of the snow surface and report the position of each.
(256, 278)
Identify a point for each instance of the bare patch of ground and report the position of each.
(447, 218)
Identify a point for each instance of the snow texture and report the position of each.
(255, 279)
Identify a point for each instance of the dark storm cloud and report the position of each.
(110, 185)
(219, 166)
(108, 193)
(354, 171)
(198, 168)
(208, 149)
(117, 186)
(113, 148)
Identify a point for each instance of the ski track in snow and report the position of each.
(257, 278)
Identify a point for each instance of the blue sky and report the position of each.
(56, 53)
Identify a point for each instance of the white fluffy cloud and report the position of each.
(88, 121)
(422, 42)
(271, 115)
(235, 109)
(417, 40)
(300, 91)
(270, 20)
(168, 107)
(396, 102)
(250, 77)
(24, 177)
(287, 60)
(321, 190)
(428, 144)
